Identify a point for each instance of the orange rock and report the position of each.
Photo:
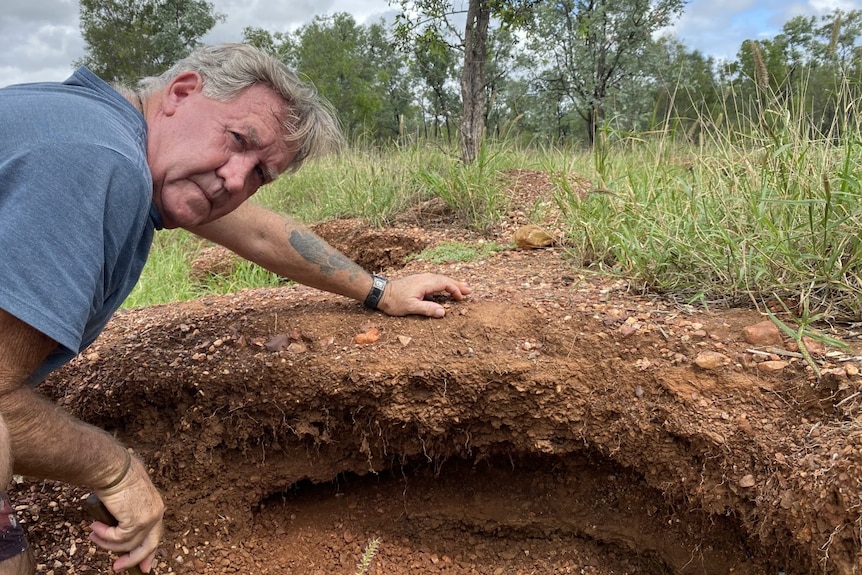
(368, 337)
(813, 346)
(771, 366)
(763, 333)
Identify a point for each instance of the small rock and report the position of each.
(813, 346)
(278, 343)
(763, 333)
(771, 366)
(297, 348)
(405, 340)
(747, 481)
(626, 330)
(369, 337)
(532, 236)
(711, 360)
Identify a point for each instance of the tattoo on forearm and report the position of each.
(318, 252)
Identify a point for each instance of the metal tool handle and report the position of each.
(99, 512)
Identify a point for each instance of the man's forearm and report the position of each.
(46, 442)
(289, 249)
(50, 444)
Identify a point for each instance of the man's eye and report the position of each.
(238, 137)
(260, 173)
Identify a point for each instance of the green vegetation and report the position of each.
(770, 215)
(128, 39)
(457, 252)
(167, 276)
(718, 183)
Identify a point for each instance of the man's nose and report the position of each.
(236, 172)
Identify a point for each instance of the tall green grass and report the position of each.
(769, 214)
(742, 216)
(167, 276)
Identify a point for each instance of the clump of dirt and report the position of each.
(554, 422)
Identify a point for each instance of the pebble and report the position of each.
(710, 360)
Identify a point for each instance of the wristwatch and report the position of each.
(376, 293)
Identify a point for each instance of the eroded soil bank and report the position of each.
(551, 423)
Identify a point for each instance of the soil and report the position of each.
(553, 422)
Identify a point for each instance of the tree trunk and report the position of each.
(473, 79)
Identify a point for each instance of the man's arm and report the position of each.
(50, 444)
(291, 250)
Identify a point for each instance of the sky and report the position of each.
(40, 39)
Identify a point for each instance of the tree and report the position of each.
(810, 68)
(332, 52)
(685, 91)
(392, 81)
(128, 39)
(421, 17)
(506, 84)
(355, 67)
(473, 78)
(434, 61)
(591, 47)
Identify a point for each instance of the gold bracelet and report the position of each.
(122, 474)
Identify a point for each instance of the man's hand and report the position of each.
(138, 508)
(406, 296)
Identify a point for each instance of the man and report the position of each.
(87, 174)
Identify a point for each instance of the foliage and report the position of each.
(424, 24)
(447, 252)
(751, 217)
(129, 39)
(591, 48)
(434, 62)
(771, 218)
(471, 190)
(355, 67)
(812, 65)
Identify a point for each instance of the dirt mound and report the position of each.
(551, 423)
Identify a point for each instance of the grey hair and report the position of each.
(228, 69)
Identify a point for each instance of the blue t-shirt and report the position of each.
(76, 212)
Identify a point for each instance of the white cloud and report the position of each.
(39, 39)
(825, 6)
(719, 27)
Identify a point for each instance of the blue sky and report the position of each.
(39, 39)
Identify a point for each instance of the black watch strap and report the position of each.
(376, 293)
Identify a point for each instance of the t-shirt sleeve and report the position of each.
(53, 204)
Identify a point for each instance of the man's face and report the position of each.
(208, 157)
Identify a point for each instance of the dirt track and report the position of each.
(551, 423)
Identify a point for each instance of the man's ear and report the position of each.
(180, 88)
